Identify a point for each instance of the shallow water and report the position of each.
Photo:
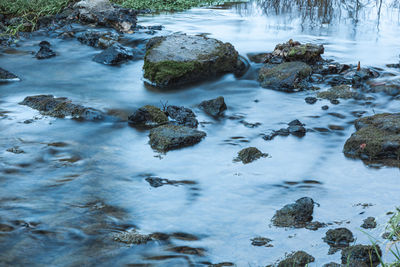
(65, 200)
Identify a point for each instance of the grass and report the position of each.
(164, 5)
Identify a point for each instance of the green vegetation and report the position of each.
(164, 5)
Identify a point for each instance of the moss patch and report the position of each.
(166, 72)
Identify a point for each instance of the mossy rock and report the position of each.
(181, 59)
(295, 51)
(361, 256)
(287, 76)
(339, 91)
(250, 154)
(297, 259)
(377, 139)
(169, 137)
(297, 214)
(148, 116)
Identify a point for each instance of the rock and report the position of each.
(377, 139)
(45, 51)
(295, 51)
(132, 237)
(250, 154)
(298, 214)
(113, 55)
(181, 59)
(158, 182)
(287, 77)
(169, 137)
(332, 264)
(188, 250)
(297, 128)
(335, 102)
(311, 100)
(103, 13)
(98, 39)
(182, 116)
(391, 87)
(363, 75)
(369, 223)
(314, 226)
(259, 58)
(261, 241)
(325, 107)
(339, 91)
(15, 150)
(338, 238)
(148, 116)
(61, 107)
(6, 76)
(361, 256)
(214, 107)
(297, 259)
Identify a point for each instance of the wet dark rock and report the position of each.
(98, 39)
(250, 154)
(157, 182)
(6, 76)
(332, 264)
(114, 55)
(249, 124)
(369, 223)
(61, 107)
(377, 139)
(15, 150)
(298, 214)
(188, 250)
(45, 51)
(338, 238)
(214, 107)
(297, 128)
(103, 13)
(295, 51)
(182, 116)
(335, 127)
(297, 259)
(221, 264)
(261, 241)
(325, 107)
(184, 236)
(132, 237)
(314, 226)
(6, 228)
(148, 115)
(259, 57)
(390, 87)
(363, 75)
(333, 68)
(311, 100)
(287, 76)
(181, 59)
(361, 256)
(339, 91)
(334, 102)
(169, 137)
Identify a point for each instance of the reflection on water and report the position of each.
(77, 184)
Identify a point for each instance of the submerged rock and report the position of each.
(295, 128)
(157, 182)
(361, 256)
(114, 55)
(45, 51)
(369, 223)
(148, 116)
(295, 51)
(310, 100)
(6, 76)
(98, 39)
(169, 137)
(338, 238)
(103, 13)
(181, 59)
(298, 214)
(297, 259)
(214, 107)
(377, 139)
(287, 76)
(391, 87)
(261, 241)
(132, 237)
(182, 116)
(250, 154)
(61, 107)
(339, 91)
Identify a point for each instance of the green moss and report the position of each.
(165, 72)
(340, 91)
(297, 51)
(157, 115)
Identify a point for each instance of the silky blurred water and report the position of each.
(65, 201)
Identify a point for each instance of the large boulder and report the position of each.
(181, 59)
(377, 139)
(103, 13)
(6, 76)
(169, 137)
(61, 107)
(295, 51)
(287, 76)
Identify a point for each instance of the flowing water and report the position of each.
(78, 183)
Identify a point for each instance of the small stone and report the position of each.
(132, 237)
(311, 100)
(296, 128)
(338, 238)
(335, 102)
(45, 51)
(369, 223)
(261, 241)
(297, 259)
(15, 150)
(148, 116)
(250, 154)
(361, 256)
(214, 107)
(6, 76)
(114, 55)
(298, 214)
(182, 116)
